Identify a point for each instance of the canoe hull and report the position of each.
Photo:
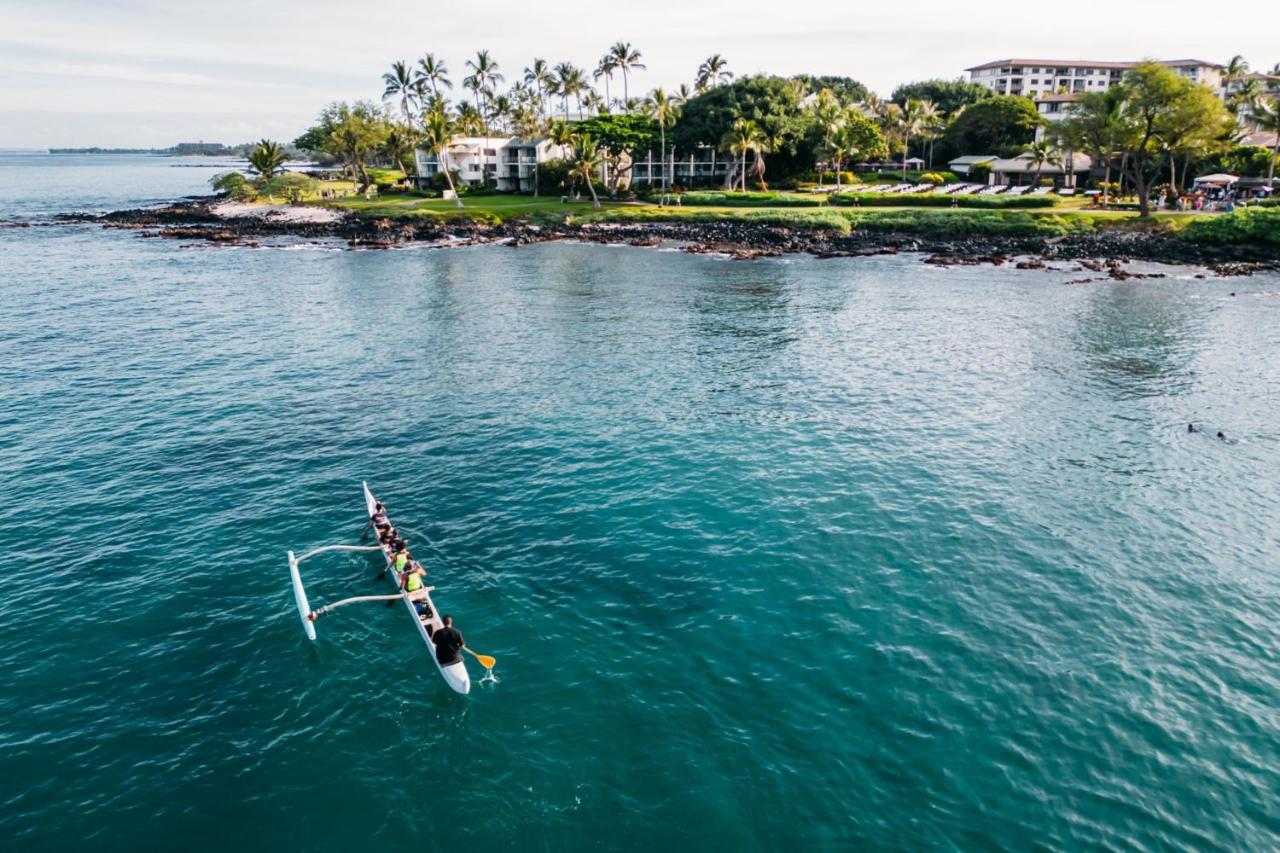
(455, 674)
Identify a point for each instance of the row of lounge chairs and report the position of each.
(961, 188)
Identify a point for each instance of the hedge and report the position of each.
(750, 199)
(1240, 226)
(982, 202)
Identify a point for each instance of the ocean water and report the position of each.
(792, 554)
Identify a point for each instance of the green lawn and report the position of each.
(1073, 216)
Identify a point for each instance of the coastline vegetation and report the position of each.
(782, 139)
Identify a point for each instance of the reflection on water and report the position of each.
(1137, 341)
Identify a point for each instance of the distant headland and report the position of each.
(182, 149)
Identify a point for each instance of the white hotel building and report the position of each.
(507, 162)
(1054, 84)
(1032, 77)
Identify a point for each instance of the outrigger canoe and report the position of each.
(455, 674)
(428, 621)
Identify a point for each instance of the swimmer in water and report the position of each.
(1191, 427)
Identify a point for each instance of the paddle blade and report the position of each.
(485, 661)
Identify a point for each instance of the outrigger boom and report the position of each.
(418, 602)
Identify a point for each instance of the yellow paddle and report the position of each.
(485, 661)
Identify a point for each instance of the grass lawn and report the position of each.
(490, 208)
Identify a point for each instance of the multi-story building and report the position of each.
(507, 162)
(1032, 77)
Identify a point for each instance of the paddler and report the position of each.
(448, 640)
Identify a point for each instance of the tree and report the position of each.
(664, 111)
(292, 186)
(855, 137)
(775, 106)
(266, 159)
(400, 83)
(910, 123)
(399, 141)
(627, 59)
(847, 90)
(607, 65)
(930, 124)
(436, 135)
(995, 125)
(742, 138)
(585, 162)
(1041, 154)
(352, 132)
(617, 136)
(432, 73)
(468, 121)
(950, 96)
(1159, 107)
(538, 77)
(712, 72)
(484, 76)
(1094, 126)
(1266, 116)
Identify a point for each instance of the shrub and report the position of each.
(986, 202)
(749, 199)
(970, 222)
(234, 185)
(979, 173)
(1244, 225)
(932, 178)
(292, 186)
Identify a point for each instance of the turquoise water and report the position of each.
(791, 554)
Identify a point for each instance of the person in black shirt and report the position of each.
(448, 641)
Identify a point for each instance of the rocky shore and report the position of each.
(1103, 252)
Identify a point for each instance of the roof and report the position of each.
(1056, 99)
(1088, 63)
(1265, 138)
(1218, 178)
(1022, 164)
(970, 159)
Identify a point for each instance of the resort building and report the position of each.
(704, 167)
(508, 163)
(1032, 77)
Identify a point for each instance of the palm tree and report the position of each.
(712, 73)
(1236, 69)
(743, 137)
(566, 82)
(484, 75)
(910, 122)
(1266, 116)
(469, 121)
(576, 85)
(664, 110)
(538, 76)
(608, 64)
(399, 140)
(434, 73)
(436, 135)
(585, 162)
(1040, 154)
(593, 102)
(1247, 96)
(627, 59)
(930, 124)
(502, 109)
(401, 84)
(266, 159)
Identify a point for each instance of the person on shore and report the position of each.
(448, 641)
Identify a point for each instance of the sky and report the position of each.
(151, 73)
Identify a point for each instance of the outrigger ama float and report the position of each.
(425, 618)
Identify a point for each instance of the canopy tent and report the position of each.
(1217, 180)
(915, 161)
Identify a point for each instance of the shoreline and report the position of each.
(216, 221)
